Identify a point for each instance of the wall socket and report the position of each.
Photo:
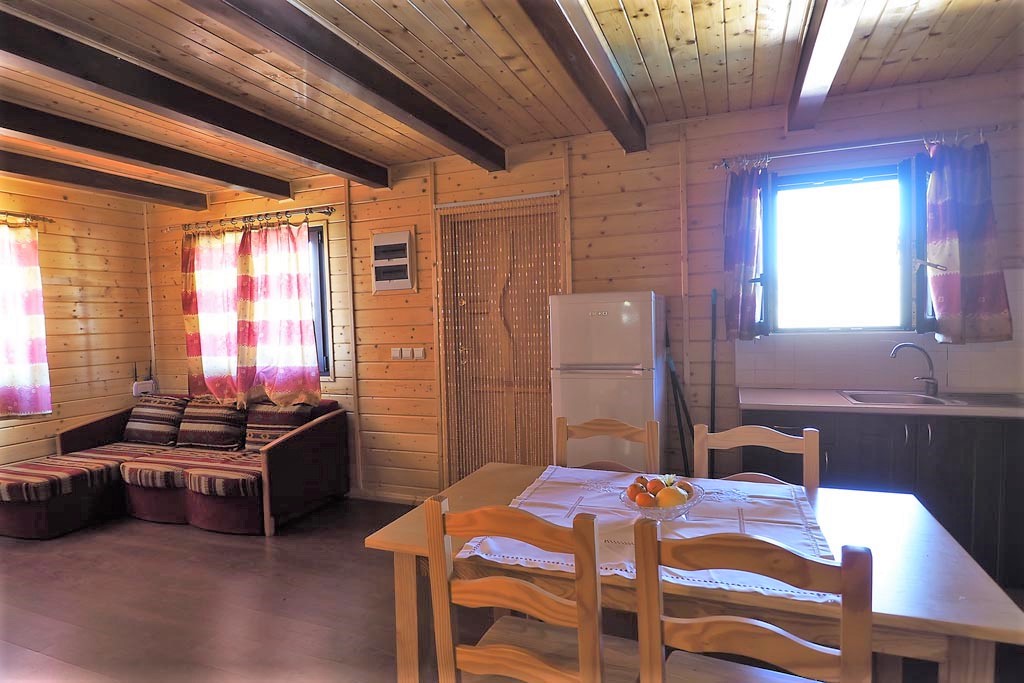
(144, 387)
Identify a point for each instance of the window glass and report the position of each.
(321, 298)
(837, 254)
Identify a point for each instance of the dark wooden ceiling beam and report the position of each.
(295, 35)
(569, 32)
(66, 174)
(828, 36)
(30, 124)
(40, 50)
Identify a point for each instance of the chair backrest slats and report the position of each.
(499, 520)
(584, 613)
(515, 662)
(753, 638)
(752, 554)
(515, 594)
(807, 446)
(649, 435)
(851, 578)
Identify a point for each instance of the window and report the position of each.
(318, 284)
(838, 251)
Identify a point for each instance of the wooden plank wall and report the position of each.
(907, 112)
(623, 215)
(96, 301)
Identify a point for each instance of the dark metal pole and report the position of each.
(714, 360)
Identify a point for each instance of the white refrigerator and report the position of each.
(608, 360)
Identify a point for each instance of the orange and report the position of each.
(641, 480)
(633, 490)
(670, 496)
(655, 485)
(645, 500)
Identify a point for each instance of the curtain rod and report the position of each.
(242, 221)
(767, 157)
(479, 202)
(27, 216)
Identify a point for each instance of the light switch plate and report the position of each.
(419, 353)
(396, 353)
(406, 353)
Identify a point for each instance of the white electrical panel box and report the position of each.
(394, 261)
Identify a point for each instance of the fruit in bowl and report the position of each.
(663, 497)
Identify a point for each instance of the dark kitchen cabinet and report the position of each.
(963, 469)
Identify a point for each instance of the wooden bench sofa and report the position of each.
(96, 476)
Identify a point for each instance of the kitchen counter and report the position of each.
(831, 401)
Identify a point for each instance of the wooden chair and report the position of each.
(851, 578)
(564, 645)
(647, 435)
(753, 435)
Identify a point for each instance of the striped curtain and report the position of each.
(744, 252)
(276, 344)
(24, 373)
(969, 296)
(249, 316)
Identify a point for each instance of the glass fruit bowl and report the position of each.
(669, 513)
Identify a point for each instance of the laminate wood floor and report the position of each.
(136, 601)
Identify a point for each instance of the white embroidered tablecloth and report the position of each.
(779, 512)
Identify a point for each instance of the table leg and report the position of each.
(407, 651)
(888, 668)
(969, 661)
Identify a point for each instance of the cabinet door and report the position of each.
(1011, 531)
(786, 466)
(945, 481)
(872, 452)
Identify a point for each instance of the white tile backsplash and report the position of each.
(861, 360)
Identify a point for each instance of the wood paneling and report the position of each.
(685, 59)
(624, 215)
(899, 42)
(95, 297)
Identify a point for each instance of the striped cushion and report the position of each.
(122, 451)
(152, 475)
(223, 483)
(267, 422)
(56, 475)
(192, 457)
(209, 425)
(155, 420)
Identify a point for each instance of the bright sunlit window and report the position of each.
(837, 253)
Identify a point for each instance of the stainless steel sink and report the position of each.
(895, 398)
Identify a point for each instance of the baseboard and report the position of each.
(363, 494)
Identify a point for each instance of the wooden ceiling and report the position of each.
(483, 61)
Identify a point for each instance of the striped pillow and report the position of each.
(267, 422)
(210, 425)
(155, 420)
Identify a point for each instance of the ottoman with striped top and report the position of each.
(54, 495)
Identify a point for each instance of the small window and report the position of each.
(837, 252)
(321, 298)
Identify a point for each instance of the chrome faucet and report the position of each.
(931, 385)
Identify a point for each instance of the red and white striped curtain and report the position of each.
(249, 315)
(24, 373)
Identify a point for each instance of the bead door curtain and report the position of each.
(499, 264)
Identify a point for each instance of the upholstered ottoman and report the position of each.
(155, 491)
(55, 495)
(155, 485)
(227, 498)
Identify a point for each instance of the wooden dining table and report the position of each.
(931, 600)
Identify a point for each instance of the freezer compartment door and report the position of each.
(615, 330)
(625, 396)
